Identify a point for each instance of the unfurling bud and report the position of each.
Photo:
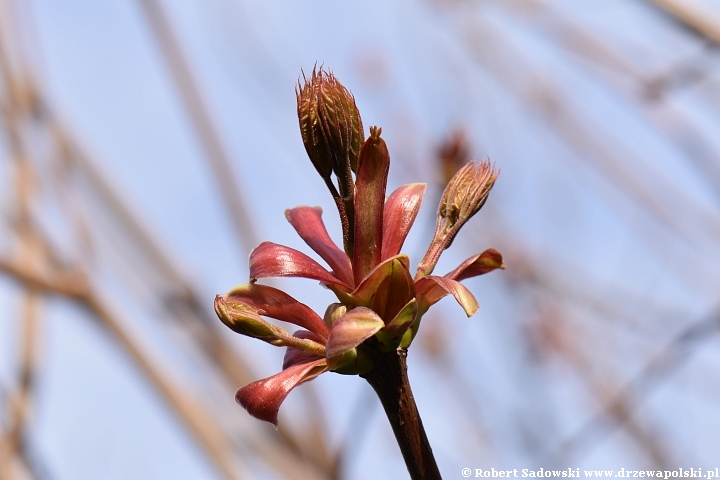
(333, 312)
(463, 197)
(332, 132)
(244, 319)
(330, 126)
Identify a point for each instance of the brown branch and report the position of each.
(19, 102)
(183, 291)
(699, 16)
(190, 94)
(13, 465)
(291, 455)
(28, 361)
(552, 332)
(390, 381)
(200, 422)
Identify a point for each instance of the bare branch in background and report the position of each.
(637, 390)
(555, 332)
(646, 91)
(29, 351)
(215, 152)
(13, 465)
(684, 216)
(178, 294)
(694, 14)
(574, 310)
(199, 422)
(40, 269)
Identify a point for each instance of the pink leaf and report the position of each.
(262, 399)
(431, 289)
(307, 221)
(373, 165)
(351, 330)
(273, 260)
(401, 208)
(479, 264)
(275, 303)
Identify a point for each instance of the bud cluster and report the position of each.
(380, 304)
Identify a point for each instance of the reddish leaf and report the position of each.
(272, 260)
(400, 211)
(293, 356)
(431, 289)
(395, 290)
(262, 399)
(351, 330)
(479, 264)
(275, 303)
(402, 321)
(307, 221)
(363, 294)
(373, 165)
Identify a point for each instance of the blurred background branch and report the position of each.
(148, 146)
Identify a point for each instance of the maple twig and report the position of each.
(390, 381)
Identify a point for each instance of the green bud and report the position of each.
(333, 312)
(243, 319)
(352, 362)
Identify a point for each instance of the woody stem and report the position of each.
(346, 215)
(390, 381)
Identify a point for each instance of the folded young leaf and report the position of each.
(402, 321)
(351, 330)
(395, 290)
(363, 294)
(373, 166)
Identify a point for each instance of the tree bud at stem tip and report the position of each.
(330, 126)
